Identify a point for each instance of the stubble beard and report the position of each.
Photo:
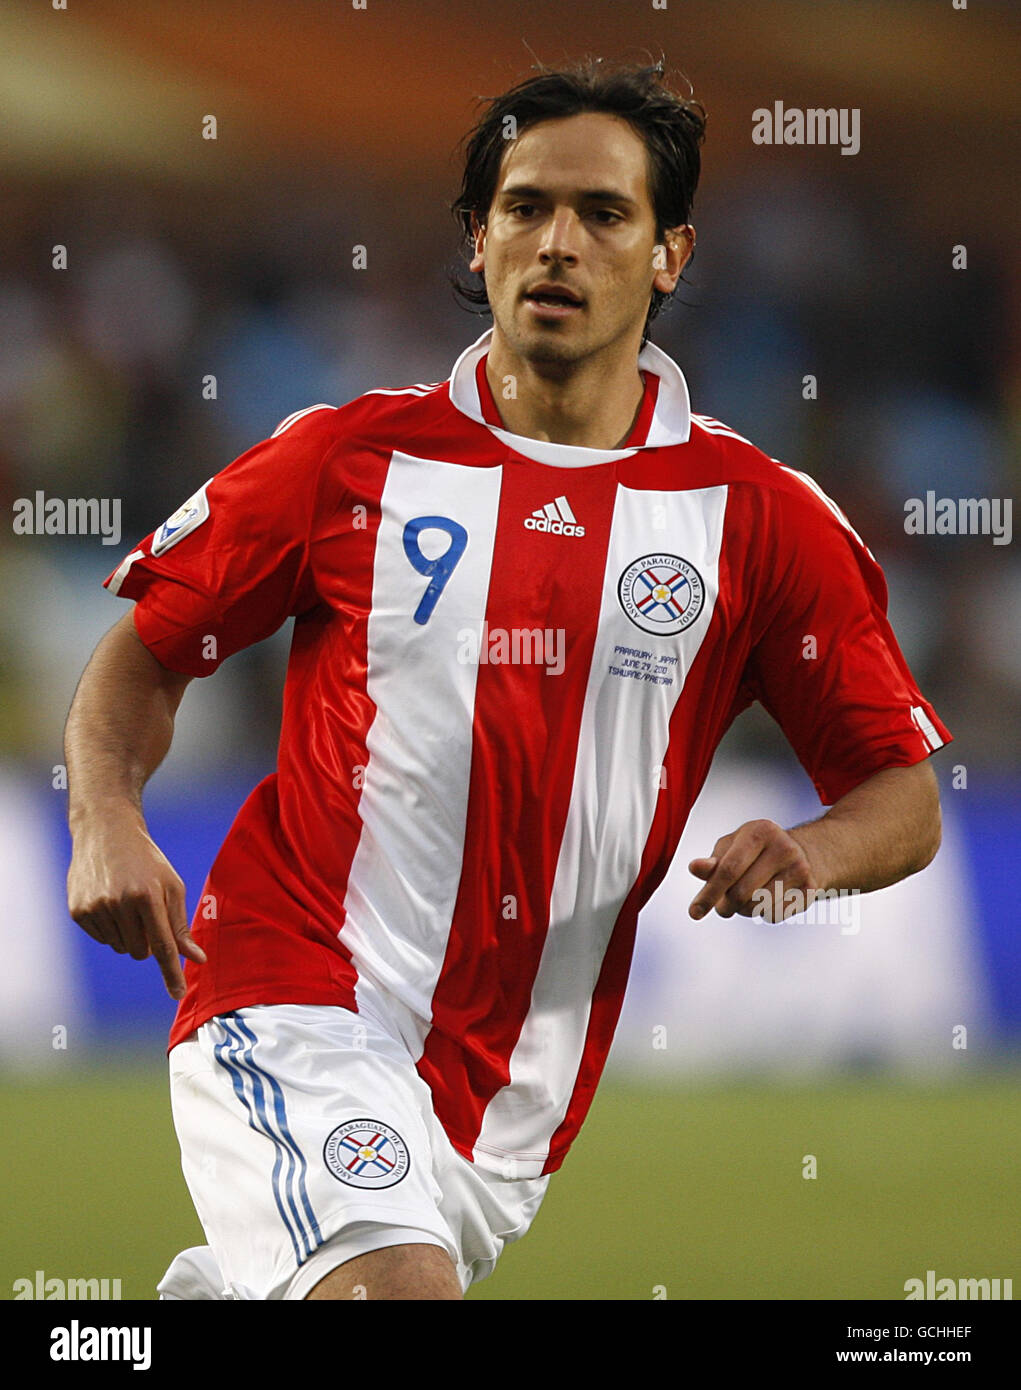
(548, 349)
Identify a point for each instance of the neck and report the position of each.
(590, 404)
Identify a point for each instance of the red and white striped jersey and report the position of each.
(511, 664)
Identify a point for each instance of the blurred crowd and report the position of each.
(103, 365)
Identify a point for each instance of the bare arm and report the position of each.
(882, 831)
(121, 889)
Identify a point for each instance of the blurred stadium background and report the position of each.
(743, 1047)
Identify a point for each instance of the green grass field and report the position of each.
(696, 1192)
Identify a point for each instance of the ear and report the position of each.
(478, 261)
(671, 255)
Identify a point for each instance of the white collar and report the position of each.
(671, 419)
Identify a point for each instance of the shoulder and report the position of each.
(741, 461)
(316, 418)
(392, 410)
(784, 491)
(383, 406)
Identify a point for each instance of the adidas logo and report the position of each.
(557, 518)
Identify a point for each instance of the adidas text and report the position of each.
(556, 528)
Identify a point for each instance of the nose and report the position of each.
(559, 241)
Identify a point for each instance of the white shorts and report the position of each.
(308, 1138)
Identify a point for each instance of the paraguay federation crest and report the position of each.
(661, 594)
(366, 1153)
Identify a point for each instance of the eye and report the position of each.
(608, 212)
(522, 208)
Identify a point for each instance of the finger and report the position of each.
(193, 950)
(723, 844)
(133, 929)
(163, 945)
(728, 870)
(178, 916)
(768, 870)
(771, 896)
(782, 866)
(764, 902)
(109, 924)
(91, 927)
(702, 868)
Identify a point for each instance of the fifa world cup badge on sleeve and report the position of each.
(191, 514)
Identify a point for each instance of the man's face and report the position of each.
(573, 210)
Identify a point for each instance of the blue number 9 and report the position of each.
(440, 569)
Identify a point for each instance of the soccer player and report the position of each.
(528, 602)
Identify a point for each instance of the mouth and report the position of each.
(553, 302)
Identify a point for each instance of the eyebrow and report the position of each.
(588, 195)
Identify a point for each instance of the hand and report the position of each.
(758, 855)
(124, 892)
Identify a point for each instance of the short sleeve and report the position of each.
(826, 663)
(232, 563)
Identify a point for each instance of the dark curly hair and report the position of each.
(672, 128)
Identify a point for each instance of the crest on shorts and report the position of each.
(661, 594)
(189, 515)
(366, 1153)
